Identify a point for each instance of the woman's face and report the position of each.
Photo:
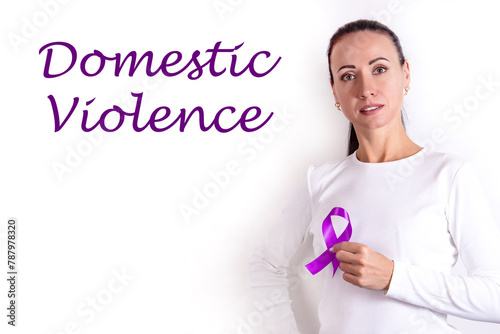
(368, 80)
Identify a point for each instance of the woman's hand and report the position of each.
(363, 267)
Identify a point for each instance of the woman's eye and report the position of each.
(347, 77)
(380, 70)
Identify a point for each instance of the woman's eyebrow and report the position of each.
(369, 63)
(346, 66)
(376, 59)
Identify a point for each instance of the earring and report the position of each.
(338, 106)
(407, 89)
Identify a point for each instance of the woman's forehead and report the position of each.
(362, 46)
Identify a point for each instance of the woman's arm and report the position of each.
(475, 296)
(270, 259)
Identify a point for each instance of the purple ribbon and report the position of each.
(331, 239)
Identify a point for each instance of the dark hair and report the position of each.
(352, 27)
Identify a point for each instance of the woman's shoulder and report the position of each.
(329, 166)
(448, 161)
(328, 171)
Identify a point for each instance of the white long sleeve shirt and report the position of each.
(422, 212)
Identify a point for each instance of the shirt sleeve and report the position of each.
(270, 260)
(475, 296)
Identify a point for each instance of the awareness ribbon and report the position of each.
(331, 239)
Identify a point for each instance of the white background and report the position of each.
(118, 209)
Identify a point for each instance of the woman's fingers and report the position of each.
(352, 247)
(351, 252)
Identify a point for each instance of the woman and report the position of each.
(413, 212)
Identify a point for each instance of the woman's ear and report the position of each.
(334, 94)
(406, 73)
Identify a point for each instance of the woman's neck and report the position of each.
(383, 145)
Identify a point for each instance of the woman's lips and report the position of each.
(371, 109)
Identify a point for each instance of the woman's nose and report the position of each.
(367, 87)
